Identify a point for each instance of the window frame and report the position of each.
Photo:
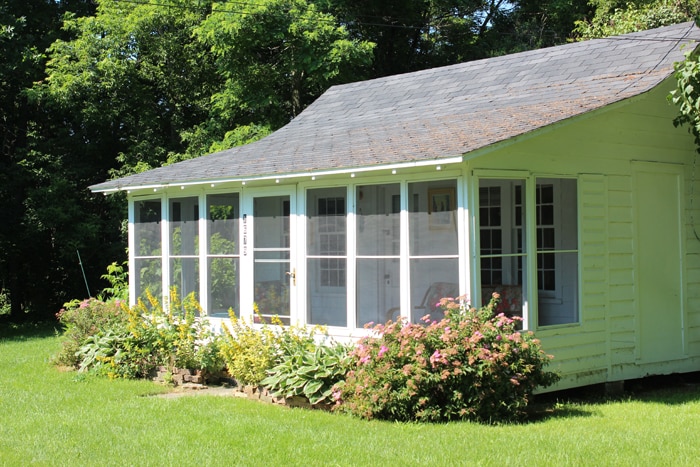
(532, 296)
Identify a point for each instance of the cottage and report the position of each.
(554, 177)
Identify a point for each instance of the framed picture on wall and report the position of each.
(442, 205)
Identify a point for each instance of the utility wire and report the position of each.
(334, 20)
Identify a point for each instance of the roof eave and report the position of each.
(268, 177)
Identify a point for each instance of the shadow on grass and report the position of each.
(580, 402)
(25, 331)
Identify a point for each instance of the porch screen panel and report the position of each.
(326, 258)
(502, 230)
(184, 245)
(557, 251)
(147, 248)
(223, 255)
(433, 246)
(378, 210)
(505, 260)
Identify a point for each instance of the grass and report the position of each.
(50, 417)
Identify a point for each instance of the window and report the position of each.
(184, 245)
(503, 247)
(331, 233)
(377, 291)
(147, 248)
(557, 251)
(433, 246)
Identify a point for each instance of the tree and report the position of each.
(276, 57)
(687, 94)
(412, 35)
(614, 17)
(533, 24)
(132, 80)
(27, 270)
(89, 93)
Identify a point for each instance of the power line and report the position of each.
(336, 21)
(252, 5)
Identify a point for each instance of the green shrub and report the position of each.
(118, 277)
(84, 318)
(103, 354)
(248, 351)
(5, 305)
(111, 339)
(175, 338)
(471, 365)
(310, 371)
(253, 351)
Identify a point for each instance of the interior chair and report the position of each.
(430, 304)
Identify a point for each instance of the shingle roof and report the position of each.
(443, 112)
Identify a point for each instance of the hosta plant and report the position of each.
(311, 372)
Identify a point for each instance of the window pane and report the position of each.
(557, 259)
(326, 222)
(223, 286)
(433, 218)
(148, 277)
(147, 236)
(431, 280)
(378, 214)
(327, 294)
(501, 243)
(562, 308)
(184, 226)
(511, 295)
(271, 222)
(569, 215)
(222, 222)
(502, 255)
(184, 276)
(272, 283)
(378, 293)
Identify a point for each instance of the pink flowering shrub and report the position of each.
(471, 365)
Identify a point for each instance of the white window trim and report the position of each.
(530, 288)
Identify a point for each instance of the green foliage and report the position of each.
(618, 17)
(249, 351)
(413, 35)
(5, 307)
(175, 338)
(99, 351)
(111, 339)
(48, 212)
(133, 78)
(533, 24)
(471, 365)
(254, 351)
(310, 371)
(82, 319)
(687, 93)
(118, 277)
(276, 57)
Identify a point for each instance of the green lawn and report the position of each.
(48, 417)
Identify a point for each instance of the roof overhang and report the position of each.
(312, 175)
